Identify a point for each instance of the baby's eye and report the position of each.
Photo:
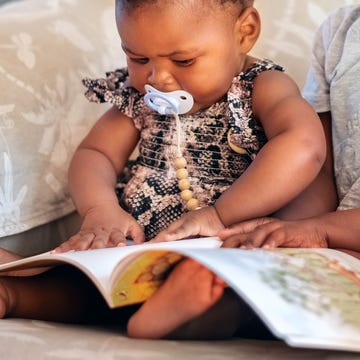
(139, 60)
(186, 62)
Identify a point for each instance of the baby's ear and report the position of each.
(248, 27)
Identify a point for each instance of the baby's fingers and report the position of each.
(243, 227)
(274, 241)
(283, 238)
(176, 231)
(104, 239)
(115, 238)
(251, 240)
(136, 233)
(76, 242)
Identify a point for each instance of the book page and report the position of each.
(141, 273)
(99, 264)
(145, 273)
(307, 297)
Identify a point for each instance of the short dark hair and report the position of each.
(132, 4)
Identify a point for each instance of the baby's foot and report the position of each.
(190, 290)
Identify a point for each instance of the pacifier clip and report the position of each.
(175, 103)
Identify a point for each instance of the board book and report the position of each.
(306, 297)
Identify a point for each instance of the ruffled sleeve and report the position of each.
(115, 89)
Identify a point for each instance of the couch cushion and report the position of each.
(47, 47)
(30, 339)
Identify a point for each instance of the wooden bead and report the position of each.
(192, 204)
(182, 174)
(184, 184)
(180, 162)
(186, 195)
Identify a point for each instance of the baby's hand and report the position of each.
(201, 222)
(104, 226)
(272, 233)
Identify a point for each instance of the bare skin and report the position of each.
(172, 62)
(337, 230)
(61, 294)
(201, 293)
(169, 59)
(195, 304)
(319, 197)
(196, 319)
(7, 256)
(25, 297)
(65, 295)
(321, 231)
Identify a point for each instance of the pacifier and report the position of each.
(175, 103)
(166, 103)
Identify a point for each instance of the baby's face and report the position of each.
(172, 48)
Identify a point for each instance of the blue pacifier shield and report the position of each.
(166, 103)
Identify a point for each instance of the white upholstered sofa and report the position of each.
(46, 47)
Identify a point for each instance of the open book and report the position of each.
(306, 297)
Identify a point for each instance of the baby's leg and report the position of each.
(61, 294)
(7, 256)
(181, 307)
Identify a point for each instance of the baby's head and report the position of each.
(132, 4)
(194, 45)
(200, 7)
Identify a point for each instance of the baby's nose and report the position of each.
(160, 78)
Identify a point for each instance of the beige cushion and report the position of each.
(288, 29)
(47, 47)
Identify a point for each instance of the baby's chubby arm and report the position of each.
(93, 171)
(288, 162)
(321, 195)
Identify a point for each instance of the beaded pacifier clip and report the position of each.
(175, 103)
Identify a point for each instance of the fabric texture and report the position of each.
(31, 339)
(46, 49)
(287, 31)
(152, 195)
(332, 85)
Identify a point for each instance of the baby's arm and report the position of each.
(317, 199)
(93, 172)
(320, 196)
(338, 229)
(288, 162)
(284, 167)
(342, 229)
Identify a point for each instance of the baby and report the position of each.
(248, 145)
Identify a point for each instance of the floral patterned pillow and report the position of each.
(46, 48)
(288, 29)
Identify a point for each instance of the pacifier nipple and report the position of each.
(166, 103)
